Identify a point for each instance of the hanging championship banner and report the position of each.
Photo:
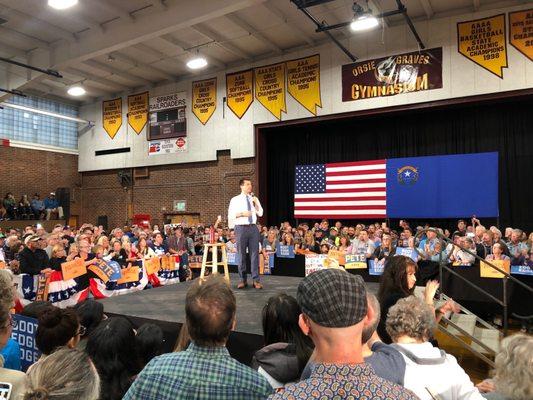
(239, 91)
(521, 32)
(389, 76)
(112, 116)
(483, 42)
(303, 82)
(138, 111)
(270, 88)
(204, 99)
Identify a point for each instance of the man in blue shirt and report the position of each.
(205, 370)
(52, 205)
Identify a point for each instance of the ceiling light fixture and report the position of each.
(62, 4)
(197, 62)
(76, 90)
(362, 20)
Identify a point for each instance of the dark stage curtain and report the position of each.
(506, 127)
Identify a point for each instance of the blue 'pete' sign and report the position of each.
(24, 334)
(284, 251)
(408, 252)
(376, 268)
(521, 270)
(234, 258)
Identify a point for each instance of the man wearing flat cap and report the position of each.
(334, 311)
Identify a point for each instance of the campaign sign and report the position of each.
(521, 270)
(355, 261)
(408, 252)
(284, 251)
(314, 262)
(234, 258)
(24, 334)
(376, 267)
(268, 263)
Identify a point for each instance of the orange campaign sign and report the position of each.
(483, 42)
(112, 116)
(521, 32)
(240, 91)
(102, 270)
(152, 265)
(73, 269)
(168, 263)
(486, 271)
(130, 274)
(138, 111)
(2, 265)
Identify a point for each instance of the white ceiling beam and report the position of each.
(220, 41)
(150, 50)
(12, 51)
(21, 19)
(426, 5)
(160, 5)
(136, 63)
(476, 4)
(63, 85)
(183, 46)
(252, 31)
(32, 41)
(113, 9)
(291, 25)
(116, 71)
(96, 78)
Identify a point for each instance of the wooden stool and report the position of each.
(213, 247)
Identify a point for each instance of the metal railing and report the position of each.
(443, 266)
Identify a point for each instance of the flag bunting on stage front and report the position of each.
(417, 187)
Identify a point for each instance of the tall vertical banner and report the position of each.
(270, 88)
(239, 92)
(303, 82)
(204, 99)
(138, 111)
(521, 32)
(483, 42)
(112, 116)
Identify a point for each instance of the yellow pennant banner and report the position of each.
(483, 42)
(521, 32)
(112, 116)
(138, 111)
(204, 99)
(303, 82)
(240, 92)
(270, 88)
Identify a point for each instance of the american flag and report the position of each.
(341, 190)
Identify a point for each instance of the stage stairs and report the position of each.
(465, 329)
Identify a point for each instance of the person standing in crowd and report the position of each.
(205, 370)
(159, 246)
(430, 373)
(362, 245)
(497, 253)
(57, 327)
(177, 245)
(242, 215)
(334, 312)
(32, 258)
(517, 248)
(385, 249)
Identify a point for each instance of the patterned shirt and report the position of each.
(347, 381)
(198, 373)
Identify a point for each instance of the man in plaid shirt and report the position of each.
(205, 370)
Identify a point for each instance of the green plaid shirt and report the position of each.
(198, 373)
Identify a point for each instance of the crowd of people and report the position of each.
(11, 209)
(334, 340)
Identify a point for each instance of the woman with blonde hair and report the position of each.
(104, 242)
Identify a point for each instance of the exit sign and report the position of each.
(180, 205)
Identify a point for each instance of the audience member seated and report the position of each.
(497, 253)
(385, 249)
(24, 208)
(10, 205)
(517, 248)
(118, 253)
(112, 349)
(51, 205)
(430, 373)
(287, 349)
(57, 327)
(334, 312)
(205, 370)
(344, 243)
(8, 376)
(90, 314)
(68, 374)
(33, 259)
(37, 206)
(149, 342)
(59, 256)
(513, 373)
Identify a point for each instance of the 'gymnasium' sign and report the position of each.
(389, 76)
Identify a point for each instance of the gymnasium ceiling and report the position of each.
(116, 46)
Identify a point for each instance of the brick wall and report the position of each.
(207, 187)
(26, 171)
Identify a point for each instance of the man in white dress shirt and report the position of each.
(242, 216)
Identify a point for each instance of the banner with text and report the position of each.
(138, 111)
(303, 82)
(483, 42)
(204, 99)
(270, 88)
(376, 267)
(112, 116)
(521, 32)
(389, 76)
(167, 146)
(355, 261)
(283, 251)
(240, 91)
(168, 118)
(315, 262)
(24, 334)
